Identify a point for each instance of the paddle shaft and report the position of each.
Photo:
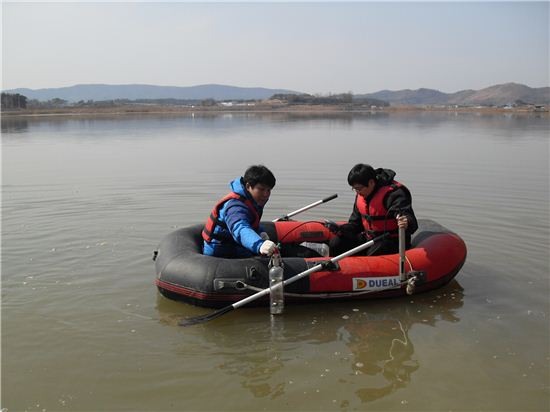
(402, 276)
(307, 272)
(208, 317)
(303, 209)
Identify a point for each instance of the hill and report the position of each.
(102, 92)
(498, 95)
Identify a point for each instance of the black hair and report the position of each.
(259, 174)
(361, 174)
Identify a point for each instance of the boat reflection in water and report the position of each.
(339, 349)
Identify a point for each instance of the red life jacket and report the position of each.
(374, 214)
(213, 220)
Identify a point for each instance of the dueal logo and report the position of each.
(375, 283)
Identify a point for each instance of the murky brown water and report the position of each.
(85, 202)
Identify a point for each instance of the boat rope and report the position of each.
(297, 227)
(410, 264)
(410, 284)
(323, 223)
(332, 295)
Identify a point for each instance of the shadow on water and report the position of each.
(373, 348)
(14, 124)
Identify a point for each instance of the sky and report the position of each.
(312, 47)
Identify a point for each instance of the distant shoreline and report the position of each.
(298, 109)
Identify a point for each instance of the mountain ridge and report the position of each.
(496, 95)
(100, 92)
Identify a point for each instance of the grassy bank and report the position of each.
(163, 109)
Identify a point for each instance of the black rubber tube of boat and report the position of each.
(205, 318)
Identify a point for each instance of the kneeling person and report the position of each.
(382, 205)
(233, 228)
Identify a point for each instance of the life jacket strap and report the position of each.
(209, 236)
(393, 233)
(217, 222)
(372, 218)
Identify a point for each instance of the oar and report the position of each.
(402, 276)
(286, 217)
(248, 299)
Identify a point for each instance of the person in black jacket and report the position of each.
(382, 205)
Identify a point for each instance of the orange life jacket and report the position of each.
(209, 233)
(374, 214)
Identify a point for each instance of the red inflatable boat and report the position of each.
(184, 273)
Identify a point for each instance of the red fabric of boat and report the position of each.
(297, 232)
(437, 256)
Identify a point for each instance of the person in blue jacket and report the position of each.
(233, 227)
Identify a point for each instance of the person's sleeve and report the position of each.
(399, 202)
(355, 219)
(354, 226)
(239, 223)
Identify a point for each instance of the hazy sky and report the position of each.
(311, 47)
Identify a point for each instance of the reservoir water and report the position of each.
(85, 201)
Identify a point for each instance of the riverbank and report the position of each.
(299, 109)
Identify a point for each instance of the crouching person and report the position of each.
(233, 227)
(382, 205)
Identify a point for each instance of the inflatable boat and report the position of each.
(184, 273)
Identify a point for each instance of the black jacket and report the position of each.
(398, 201)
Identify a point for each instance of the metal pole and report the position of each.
(303, 209)
(402, 276)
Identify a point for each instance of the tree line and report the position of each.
(335, 99)
(342, 98)
(18, 101)
(13, 101)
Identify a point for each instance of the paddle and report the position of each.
(286, 217)
(205, 318)
(402, 275)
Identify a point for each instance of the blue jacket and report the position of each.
(240, 238)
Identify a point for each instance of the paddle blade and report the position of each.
(205, 318)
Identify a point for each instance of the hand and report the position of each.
(264, 236)
(332, 227)
(267, 248)
(402, 221)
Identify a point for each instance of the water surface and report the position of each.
(85, 201)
